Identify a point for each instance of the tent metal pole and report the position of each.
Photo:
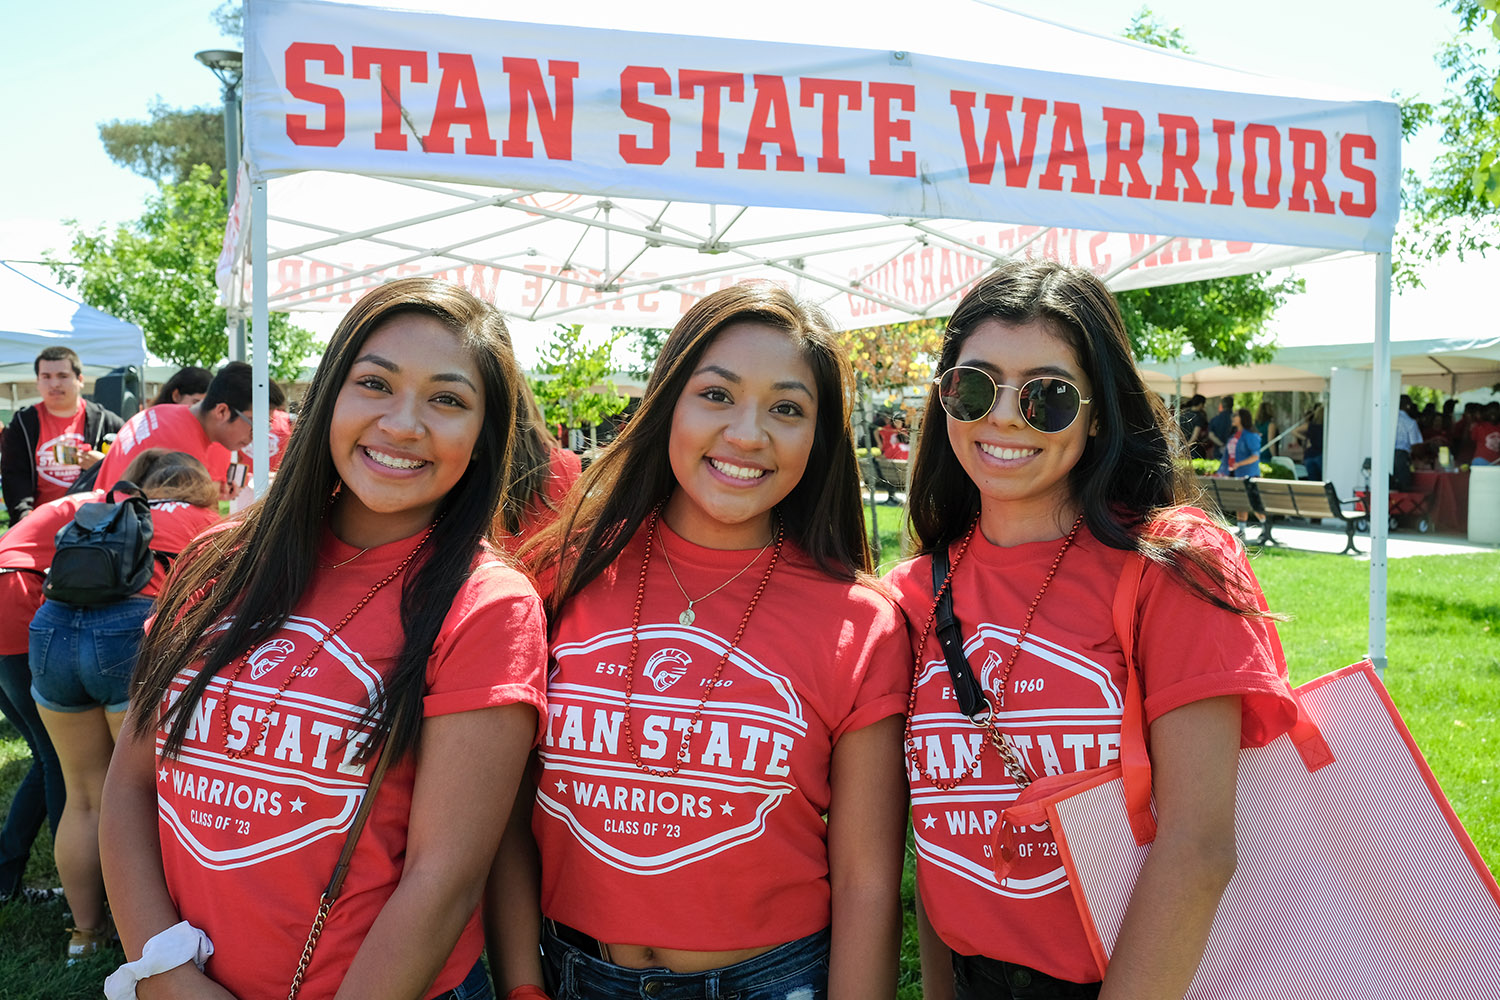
(1380, 460)
(260, 344)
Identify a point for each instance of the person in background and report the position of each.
(542, 474)
(280, 430)
(1221, 425)
(1408, 438)
(1485, 435)
(358, 612)
(1461, 436)
(1268, 429)
(81, 658)
(1242, 461)
(715, 571)
(208, 429)
(1194, 427)
(1310, 436)
(1046, 472)
(46, 445)
(895, 441)
(184, 388)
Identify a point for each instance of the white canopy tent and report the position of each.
(34, 316)
(875, 161)
(1452, 364)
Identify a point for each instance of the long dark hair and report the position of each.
(619, 490)
(530, 465)
(1130, 475)
(235, 588)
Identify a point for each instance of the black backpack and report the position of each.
(104, 554)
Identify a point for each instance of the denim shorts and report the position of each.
(797, 970)
(476, 986)
(81, 658)
(976, 977)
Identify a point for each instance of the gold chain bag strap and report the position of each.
(340, 870)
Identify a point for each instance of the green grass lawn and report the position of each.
(1443, 644)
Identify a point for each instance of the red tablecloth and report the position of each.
(1449, 499)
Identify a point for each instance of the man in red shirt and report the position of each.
(208, 430)
(47, 445)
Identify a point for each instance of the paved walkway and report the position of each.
(1398, 545)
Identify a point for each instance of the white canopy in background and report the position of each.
(875, 158)
(34, 316)
(1452, 364)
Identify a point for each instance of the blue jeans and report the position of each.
(81, 658)
(976, 977)
(797, 970)
(476, 986)
(40, 794)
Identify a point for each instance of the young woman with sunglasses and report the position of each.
(720, 810)
(1045, 467)
(356, 611)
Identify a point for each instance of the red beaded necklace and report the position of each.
(1008, 755)
(265, 714)
(713, 682)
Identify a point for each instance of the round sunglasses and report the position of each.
(1048, 403)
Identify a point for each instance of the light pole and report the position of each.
(227, 66)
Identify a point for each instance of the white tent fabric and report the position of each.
(34, 316)
(853, 175)
(875, 159)
(1452, 364)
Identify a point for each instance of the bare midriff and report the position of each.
(640, 956)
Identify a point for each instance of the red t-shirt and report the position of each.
(735, 846)
(52, 476)
(168, 426)
(281, 433)
(174, 524)
(1062, 709)
(248, 846)
(29, 545)
(1486, 439)
(891, 446)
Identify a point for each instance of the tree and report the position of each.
(230, 17)
(887, 359)
(1224, 319)
(572, 383)
(169, 144)
(158, 272)
(645, 347)
(1456, 207)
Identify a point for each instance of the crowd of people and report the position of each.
(652, 727)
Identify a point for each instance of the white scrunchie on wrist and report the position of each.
(182, 942)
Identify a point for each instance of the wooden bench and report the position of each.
(1296, 498)
(1229, 496)
(891, 472)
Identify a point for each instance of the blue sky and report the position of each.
(68, 65)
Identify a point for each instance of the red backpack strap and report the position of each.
(1135, 762)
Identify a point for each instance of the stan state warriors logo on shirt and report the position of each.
(666, 667)
(737, 769)
(269, 655)
(1062, 713)
(303, 782)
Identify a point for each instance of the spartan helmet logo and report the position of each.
(269, 655)
(667, 667)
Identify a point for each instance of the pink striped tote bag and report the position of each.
(1355, 878)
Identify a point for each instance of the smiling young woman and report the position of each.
(1046, 471)
(359, 606)
(720, 804)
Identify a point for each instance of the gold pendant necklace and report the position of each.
(687, 617)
